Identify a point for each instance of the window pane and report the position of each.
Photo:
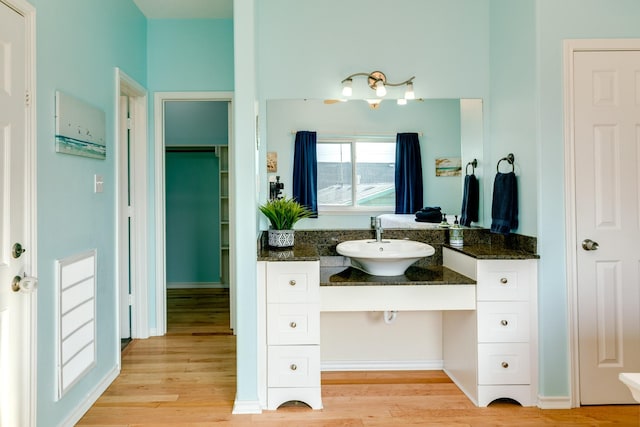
(334, 174)
(375, 172)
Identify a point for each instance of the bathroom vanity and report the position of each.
(488, 301)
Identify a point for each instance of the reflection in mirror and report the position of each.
(447, 128)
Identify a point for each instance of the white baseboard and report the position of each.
(84, 404)
(246, 407)
(382, 365)
(196, 285)
(554, 402)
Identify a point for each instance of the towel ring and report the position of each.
(510, 159)
(473, 164)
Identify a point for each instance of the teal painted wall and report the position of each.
(183, 55)
(192, 217)
(190, 54)
(557, 21)
(79, 44)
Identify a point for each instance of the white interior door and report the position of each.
(15, 324)
(607, 155)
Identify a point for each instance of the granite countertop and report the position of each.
(487, 251)
(432, 275)
(299, 252)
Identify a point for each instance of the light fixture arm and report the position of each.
(374, 77)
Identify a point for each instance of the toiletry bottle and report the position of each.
(455, 234)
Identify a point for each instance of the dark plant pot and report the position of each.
(281, 238)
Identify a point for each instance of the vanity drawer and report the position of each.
(504, 363)
(293, 282)
(504, 281)
(293, 366)
(293, 324)
(503, 321)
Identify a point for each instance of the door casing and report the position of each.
(161, 271)
(570, 47)
(138, 257)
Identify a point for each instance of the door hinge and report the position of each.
(27, 99)
(130, 299)
(129, 123)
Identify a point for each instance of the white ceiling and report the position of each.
(186, 9)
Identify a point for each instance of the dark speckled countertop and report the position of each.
(488, 251)
(319, 246)
(299, 252)
(432, 275)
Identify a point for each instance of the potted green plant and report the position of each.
(282, 215)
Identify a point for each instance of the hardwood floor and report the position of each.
(187, 378)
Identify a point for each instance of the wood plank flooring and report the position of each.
(187, 378)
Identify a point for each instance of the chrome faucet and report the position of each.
(379, 230)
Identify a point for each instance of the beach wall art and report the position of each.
(80, 128)
(448, 166)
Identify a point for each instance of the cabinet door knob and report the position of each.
(292, 282)
(293, 324)
(504, 322)
(293, 367)
(505, 365)
(504, 280)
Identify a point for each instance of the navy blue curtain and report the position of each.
(408, 174)
(305, 170)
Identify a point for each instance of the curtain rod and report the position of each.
(348, 135)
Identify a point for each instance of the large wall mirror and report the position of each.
(448, 129)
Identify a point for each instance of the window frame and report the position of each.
(355, 209)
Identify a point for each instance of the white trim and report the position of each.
(85, 403)
(196, 285)
(161, 275)
(554, 402)
(570, 47)
(246, 407)
(139, 257)
(382, 365)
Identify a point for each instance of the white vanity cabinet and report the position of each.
(491, 353)
(292, 333)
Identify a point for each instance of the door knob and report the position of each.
(25, 284)
(589, 245)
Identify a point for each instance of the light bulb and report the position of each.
(347, 90)
(380, 89)
(409, 94)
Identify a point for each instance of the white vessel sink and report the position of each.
(632, 380)
(389, 257)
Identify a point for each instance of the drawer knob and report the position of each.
(505, 365)
(292, 282)
(293, 324)
(504, 280)
(293, 367)
(503, 322)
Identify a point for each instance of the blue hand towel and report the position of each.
(504, 209)
(470, 200)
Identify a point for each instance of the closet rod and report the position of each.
(187, 149)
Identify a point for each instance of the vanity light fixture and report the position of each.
(378, 82)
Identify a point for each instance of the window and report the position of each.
(368, 163)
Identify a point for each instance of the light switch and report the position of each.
(98, 183)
